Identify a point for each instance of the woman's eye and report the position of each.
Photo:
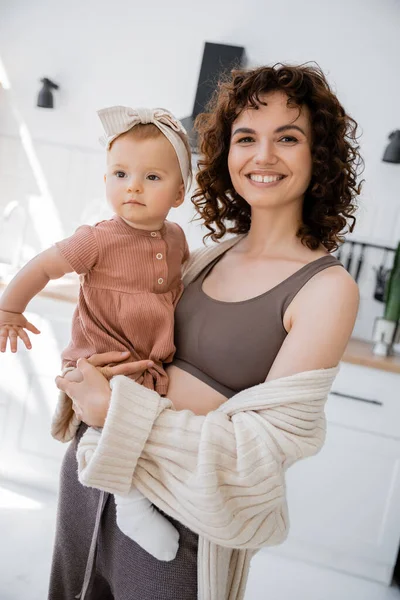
(288, 139)
(245, 140)
(153, 177)
(119, 174)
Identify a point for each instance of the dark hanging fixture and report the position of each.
(392, 152)
(45, 97)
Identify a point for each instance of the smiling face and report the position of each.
(143, 180)
(269, 158)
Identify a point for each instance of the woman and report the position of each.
(263, 322)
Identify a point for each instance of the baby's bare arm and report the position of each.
(28, 282)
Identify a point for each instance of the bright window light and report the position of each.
(12, 501)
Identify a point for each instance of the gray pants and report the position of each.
(122, 570)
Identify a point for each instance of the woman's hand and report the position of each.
(90, 392)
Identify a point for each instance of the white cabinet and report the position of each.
(28, 396)
(344, 503)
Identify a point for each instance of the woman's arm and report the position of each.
(321, 320)
(222, 475)
(22, 288)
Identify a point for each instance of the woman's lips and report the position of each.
(263, 185)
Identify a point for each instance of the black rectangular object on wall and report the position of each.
(217, 59)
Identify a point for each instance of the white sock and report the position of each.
(140, 520)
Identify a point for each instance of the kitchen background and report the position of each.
(51, 165)
(51, 180)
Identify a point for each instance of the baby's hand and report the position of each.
(12, 327)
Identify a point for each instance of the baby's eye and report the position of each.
(153, 177)
(120, 174)
(245, 140)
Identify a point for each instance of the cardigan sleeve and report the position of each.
(222, 475)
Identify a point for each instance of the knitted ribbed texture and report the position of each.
(123, 448)
(131, 282)
(119, 119)
(223, 474)
(206, 470)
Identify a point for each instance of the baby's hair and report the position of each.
(149, 131)
(141, 132)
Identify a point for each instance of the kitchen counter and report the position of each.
(358, 352)
(65, 289)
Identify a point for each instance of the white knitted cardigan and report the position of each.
(222, 475)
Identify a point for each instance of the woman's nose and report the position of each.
(266, 154)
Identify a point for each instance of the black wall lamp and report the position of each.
(392, 152)
(45, 97)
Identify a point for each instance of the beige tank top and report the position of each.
(231, 345)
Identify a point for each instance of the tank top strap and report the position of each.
(303, 275)
(203, 274)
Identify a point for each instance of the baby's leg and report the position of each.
(140, 520)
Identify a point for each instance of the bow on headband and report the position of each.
(117, 120)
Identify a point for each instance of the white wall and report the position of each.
(137, 53)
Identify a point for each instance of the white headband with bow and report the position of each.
(117, 120)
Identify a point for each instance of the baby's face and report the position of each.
(143, 180)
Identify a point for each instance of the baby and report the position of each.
(130, 268)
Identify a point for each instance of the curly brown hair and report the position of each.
(329, 201)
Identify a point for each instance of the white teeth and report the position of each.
(265, 178)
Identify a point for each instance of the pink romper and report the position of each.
(130, 285)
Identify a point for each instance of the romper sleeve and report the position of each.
(80, 250)
(222, 475)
